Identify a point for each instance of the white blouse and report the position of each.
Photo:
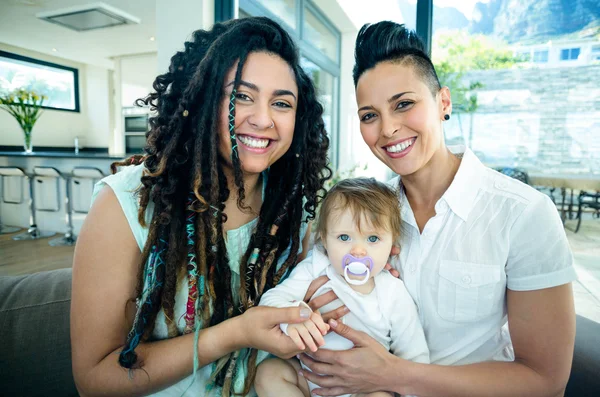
(490, 233)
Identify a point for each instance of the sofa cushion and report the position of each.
(35, 347)
(585, 373)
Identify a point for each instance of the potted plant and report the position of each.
(26, 107)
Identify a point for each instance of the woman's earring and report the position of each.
(446, 117)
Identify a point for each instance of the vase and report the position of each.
(27, 139)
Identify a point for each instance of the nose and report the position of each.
(358, 251)
(389, 127)
(261, 118)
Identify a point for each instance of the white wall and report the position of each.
(59, 128)
(137, 75)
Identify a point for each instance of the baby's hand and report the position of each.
(309, 333)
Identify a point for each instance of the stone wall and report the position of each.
(544, 120)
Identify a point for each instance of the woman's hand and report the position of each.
(395, 251)
(259, 329)
(310, 333)
(363, 369)
(321, 300)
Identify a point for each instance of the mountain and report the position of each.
(536, 20)
(540, 20)
(522, 20)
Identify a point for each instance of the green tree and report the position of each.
(457, 52)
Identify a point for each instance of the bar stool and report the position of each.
(77, 176)
(40, 174)
(69, 238)
(11, 172)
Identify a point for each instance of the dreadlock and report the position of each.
(185, 181)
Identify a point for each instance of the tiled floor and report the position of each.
(586, 252)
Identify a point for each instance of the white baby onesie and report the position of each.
(388, 313)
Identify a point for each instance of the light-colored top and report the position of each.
(388, 313)
(124, 184)
(490, 232)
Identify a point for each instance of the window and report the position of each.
(325, 85)
(59, 83)
(318, 34)
(540, 56)
(569, 54)
(284, 9)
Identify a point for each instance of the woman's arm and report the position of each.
(104, 279)
(542, 328)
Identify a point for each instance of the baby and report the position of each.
(358, 224)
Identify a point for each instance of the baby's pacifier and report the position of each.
(357, 267)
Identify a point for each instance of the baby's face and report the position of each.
(343, 237)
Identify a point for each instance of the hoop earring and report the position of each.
(446, 117)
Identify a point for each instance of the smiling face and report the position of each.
(400, 119)
(265, 112)
(345, 237)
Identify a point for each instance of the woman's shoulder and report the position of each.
(125, 184)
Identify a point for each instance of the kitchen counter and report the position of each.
(66, 154)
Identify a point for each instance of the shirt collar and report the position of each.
(463, 190)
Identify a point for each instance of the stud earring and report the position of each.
(446, 117)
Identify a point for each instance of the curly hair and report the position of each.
(185, 181)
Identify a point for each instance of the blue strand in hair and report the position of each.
(193, 273)
(153, 282)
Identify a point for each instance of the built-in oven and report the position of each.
(135, 126)
(136, 123)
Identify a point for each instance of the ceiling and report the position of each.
(20, 27)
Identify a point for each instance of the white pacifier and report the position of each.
(357, 267)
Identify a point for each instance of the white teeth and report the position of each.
(399, 147)
(253, 142)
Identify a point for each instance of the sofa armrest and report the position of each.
(585, 373)
(35, 352)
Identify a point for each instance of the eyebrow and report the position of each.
(392, 99)
(254, 87)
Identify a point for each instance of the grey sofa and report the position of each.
(35, 349)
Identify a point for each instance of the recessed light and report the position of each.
(151, 38)
(54, 50)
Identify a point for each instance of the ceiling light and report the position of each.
(54, 50)
(88, 17)
(152, 38)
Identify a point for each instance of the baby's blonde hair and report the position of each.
(365, 197)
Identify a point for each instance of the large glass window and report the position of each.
(284, 9)
(58, 83)
(325, 85)
(535, 112)
(319, 35)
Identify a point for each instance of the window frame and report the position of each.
(35, 61)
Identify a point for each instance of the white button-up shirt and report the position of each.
(490, 233)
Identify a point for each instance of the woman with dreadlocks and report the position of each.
(181, 243)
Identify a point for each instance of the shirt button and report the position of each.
(466, 280)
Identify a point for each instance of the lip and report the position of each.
(255, 136)
(402, 153)
(254, 149)
(398, 141)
